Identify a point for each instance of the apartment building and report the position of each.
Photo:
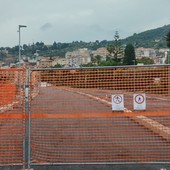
(78, 57)
(44, 63)
(145, 52)
(60, 60)
(101, 52)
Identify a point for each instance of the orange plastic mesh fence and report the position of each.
(72, 119)
(12, 110)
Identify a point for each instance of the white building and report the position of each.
(80, 52)
(76, 61)
(101, 52)
(60, 60)
(78, 57)
(145, 52)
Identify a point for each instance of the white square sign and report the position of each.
(139, 101)
(118, 102)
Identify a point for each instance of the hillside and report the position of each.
(154, 38)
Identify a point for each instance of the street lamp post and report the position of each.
(24, 143)
(20, 26)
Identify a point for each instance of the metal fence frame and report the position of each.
(28, 123)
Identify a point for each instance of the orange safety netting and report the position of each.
(12, 116)
(72, 119)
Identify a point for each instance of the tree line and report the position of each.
(118, 54)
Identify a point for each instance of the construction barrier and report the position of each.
(107, 115)
(73, 121)
(8, 94)
(12, 117)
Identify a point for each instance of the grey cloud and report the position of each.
(64, 20)
(46, 26)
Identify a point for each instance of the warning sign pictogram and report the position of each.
(118, 102)
(139, 101)
(139, 98)
(117, 99)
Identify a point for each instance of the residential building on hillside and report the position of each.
(5, 51)
(80, 52)
(76, 61)
(60, 60)
(158, 55)
(1, 63)
(44, 63)
(78, 57)
(164, 55)
(145, 52)
(162, 50)
(101, 52)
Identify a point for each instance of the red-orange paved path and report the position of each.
(11, 141)
(88, 139)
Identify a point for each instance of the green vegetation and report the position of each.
(129, 57)
(115, 49)
(168, 45)
(115, 53)
(154, 38)
(145, 61)
(168, 39)
(109, 62)
(57, 66)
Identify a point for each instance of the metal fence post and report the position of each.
(27, 122)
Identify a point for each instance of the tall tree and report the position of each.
(168, 45)
(54, 46)
(129, 57)
(115, 49)
(168, 39)
(98, 59)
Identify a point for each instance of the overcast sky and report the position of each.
(75, 20)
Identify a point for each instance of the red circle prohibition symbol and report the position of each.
(139, 99)
(117, 99)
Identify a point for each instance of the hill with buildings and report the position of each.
(154, 39)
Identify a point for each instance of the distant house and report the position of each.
(145, 52)
(60, 60)
(101, 52)
(4, 51)
(78, 57)
(80, 52)
(76, 61)
(44, 63)
(12, 65)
